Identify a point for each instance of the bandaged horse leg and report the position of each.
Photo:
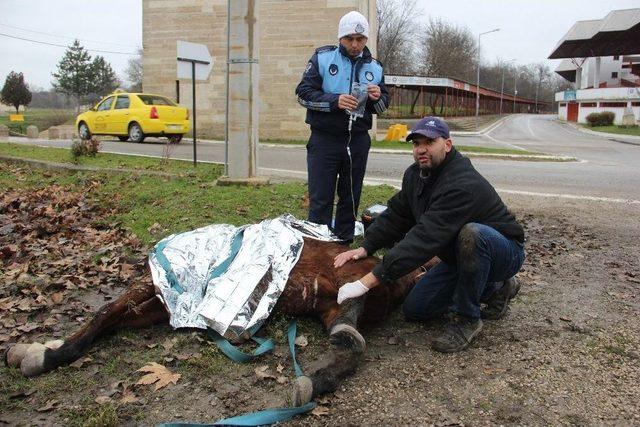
(347, 348)
(137, 307)
(343, 333)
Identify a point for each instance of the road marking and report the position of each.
(495, 125)
(395, 183)
(571, 196)
(529, 127)
(504, 143)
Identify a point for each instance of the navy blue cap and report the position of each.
(430, 127)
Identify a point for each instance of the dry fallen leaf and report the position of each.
(21, 394)
(279, 368)
(169, 343)
(158, 374)
(263, 374)
(78, 363)
(301, 341)
(282, 379)
(128, 396)
(57, 297)
(51, 404)
(101, 400)
(320, 411)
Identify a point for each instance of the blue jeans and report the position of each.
(485, 258)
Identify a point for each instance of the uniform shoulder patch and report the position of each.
(327, 48)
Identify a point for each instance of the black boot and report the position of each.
(498, 303)
(458, 334)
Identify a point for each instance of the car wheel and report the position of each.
(83, 131)
(135, 133)
(175, 139)
(123, 138)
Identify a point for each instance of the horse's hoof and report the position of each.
(33, 362)
(15, 354)
(345, 336)
(302, 391)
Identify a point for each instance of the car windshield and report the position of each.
(106, 104)
(155, 100)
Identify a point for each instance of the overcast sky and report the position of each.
(529, 29)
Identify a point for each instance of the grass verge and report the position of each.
(621, 130)
(43, 119)
(153, 207)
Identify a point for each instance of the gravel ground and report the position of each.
(566, 353)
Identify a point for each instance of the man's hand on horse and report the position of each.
(344, 257)
(351, 290)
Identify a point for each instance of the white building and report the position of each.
(602, 59)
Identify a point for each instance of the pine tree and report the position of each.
(74, 76)
(104, 79)
(15, 91)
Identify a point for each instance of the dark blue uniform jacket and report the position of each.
(329, 73)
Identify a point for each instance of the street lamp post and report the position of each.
(515, 89)
(478, 76)
(502, 85)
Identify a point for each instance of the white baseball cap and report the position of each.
(353, 23)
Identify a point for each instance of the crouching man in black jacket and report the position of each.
(446, 209)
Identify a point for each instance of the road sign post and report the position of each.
(195, 63)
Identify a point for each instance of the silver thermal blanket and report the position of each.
(229, 278)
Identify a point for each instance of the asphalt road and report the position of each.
(606, 168)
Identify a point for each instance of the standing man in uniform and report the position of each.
(336, 154)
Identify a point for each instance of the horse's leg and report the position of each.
(137, 307)
(347, 348)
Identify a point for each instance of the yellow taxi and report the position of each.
(134, 116)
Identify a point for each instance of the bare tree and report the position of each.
(542, 73)
(134, 72)
(447, 51)
(398, 35)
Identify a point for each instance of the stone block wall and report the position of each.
(289, 32)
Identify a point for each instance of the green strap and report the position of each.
(166, 265)
(237, 355)
(265, 417)
(236, 244)
(291, 334)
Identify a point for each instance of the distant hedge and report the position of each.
(601, 119)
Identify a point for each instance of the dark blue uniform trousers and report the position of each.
(329, 168)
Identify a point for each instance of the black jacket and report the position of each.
(426, 215)
(329, 73)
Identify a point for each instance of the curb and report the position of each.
(617, 137)
(506, 156)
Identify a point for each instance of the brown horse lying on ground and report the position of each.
(311, 290)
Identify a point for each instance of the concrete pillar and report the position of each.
(243, 93)
(32, 132)
(54, 132)
(578, 78)
(596, 76)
